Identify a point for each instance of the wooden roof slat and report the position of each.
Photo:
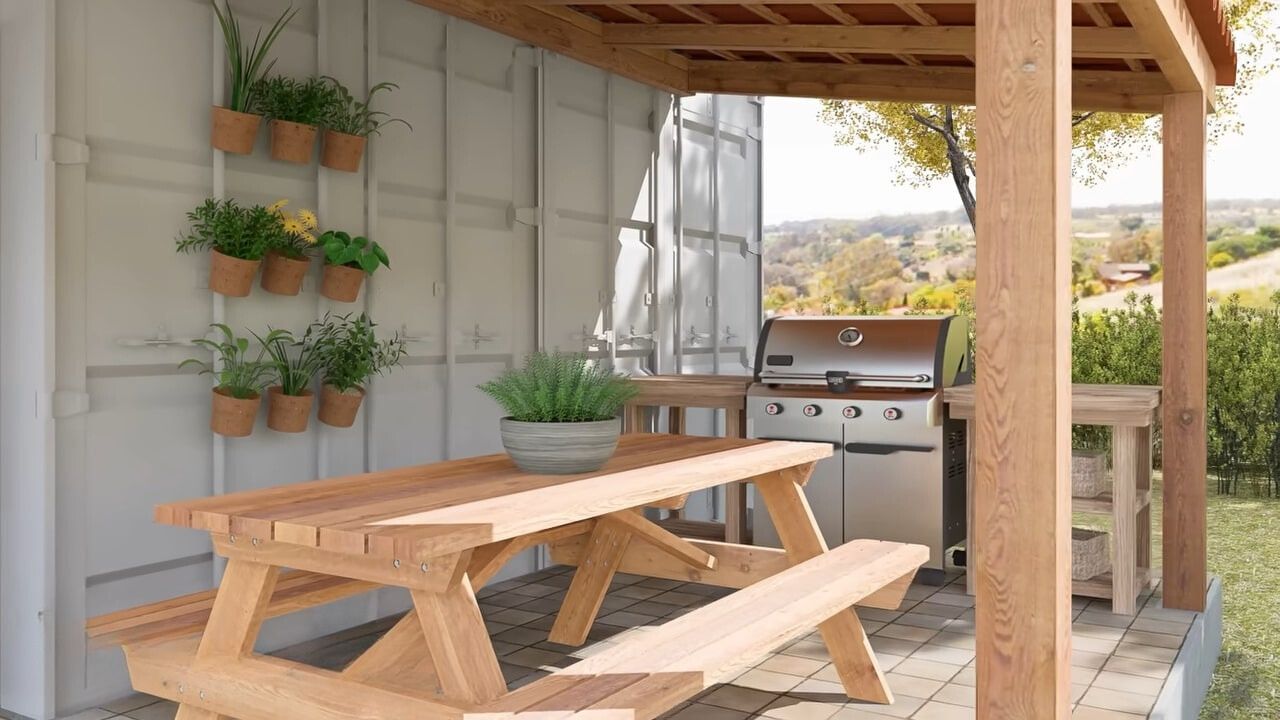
(1102, 19)
(918, 14)
(1114, 42)
(1111, 91)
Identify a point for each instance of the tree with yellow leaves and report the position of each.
(934, 142)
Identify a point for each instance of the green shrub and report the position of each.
(292, 100)
(355, 352)
(560, 388)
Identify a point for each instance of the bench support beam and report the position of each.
(851, 652)
(460, 650)
(606, 545)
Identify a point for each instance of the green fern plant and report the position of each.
(555, 387)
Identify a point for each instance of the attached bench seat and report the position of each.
(188, 614)
(647, 675)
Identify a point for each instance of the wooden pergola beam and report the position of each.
(1185, 357)
(852, 3)
(1022, 433)
(574, 35)
(1103, 91)
(1167, 30)
(910, 39)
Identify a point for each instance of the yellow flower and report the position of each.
(277, 206)
(311, 239)
(308, 219)
(293, 227)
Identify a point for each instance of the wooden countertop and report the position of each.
(1129, 405)
(697, 391)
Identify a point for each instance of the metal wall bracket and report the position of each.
(61, 404)
(531, 216)
(61, 150)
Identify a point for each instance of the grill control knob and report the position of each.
(773, 408)
(892, 413)
(812, 411)
(852, 411)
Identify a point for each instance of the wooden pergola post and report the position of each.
(1022, 486)
(1185, 354)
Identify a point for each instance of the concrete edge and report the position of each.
(1185, 689)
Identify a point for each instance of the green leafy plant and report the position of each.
(292, 100)
(554, 387)
(225, 226)
(341, 248)
(355, 353)
(296, 360)
(346, 114)
(239, 374)
(246, 64)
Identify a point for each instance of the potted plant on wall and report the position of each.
(348, 125)
(241, 379)
(562, 413)
(292, 238)
(347, 260)
(355, 355)
(236, 239)
(235, 125)
(295, 108)
(296, 362)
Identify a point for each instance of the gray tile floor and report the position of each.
(926, 648)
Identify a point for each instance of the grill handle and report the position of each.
(884, 448)
(833, 443)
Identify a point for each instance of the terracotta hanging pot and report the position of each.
(341, 283)
(234, 132)
(342, 151)
(288, 413)
(339, 408)
(231, 276)
(282, 275)
(292, 142)
(232, 416)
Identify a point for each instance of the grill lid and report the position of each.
(851, 352)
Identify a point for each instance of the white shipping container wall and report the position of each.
(536, 202)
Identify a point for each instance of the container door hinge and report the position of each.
(61, 404)
(61, 150)
(531, 216)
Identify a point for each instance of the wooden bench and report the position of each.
(652, 672)
(188, 614)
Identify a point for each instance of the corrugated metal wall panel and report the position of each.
(456, 205)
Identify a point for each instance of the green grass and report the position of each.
(1244, 550)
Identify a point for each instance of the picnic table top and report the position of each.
(447, 507)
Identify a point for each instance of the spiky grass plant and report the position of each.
(555, 387)
(246, 64)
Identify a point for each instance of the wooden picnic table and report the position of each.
(443, 530)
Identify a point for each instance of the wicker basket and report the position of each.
(1088, 473)
(1090, 554)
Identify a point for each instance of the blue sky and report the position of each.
(806, 175)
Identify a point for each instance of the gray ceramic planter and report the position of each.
(560, 448)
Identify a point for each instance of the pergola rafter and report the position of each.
(1026, 65)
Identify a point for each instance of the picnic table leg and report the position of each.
(851, 653)
(234, 621)
(606, 545)
(399, 658)
(735, 494)
(459, 645)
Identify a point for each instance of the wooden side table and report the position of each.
(1130, 411)
(677, 393)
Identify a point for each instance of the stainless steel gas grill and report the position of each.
(872, 387)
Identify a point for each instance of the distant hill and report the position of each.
(890, 262)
